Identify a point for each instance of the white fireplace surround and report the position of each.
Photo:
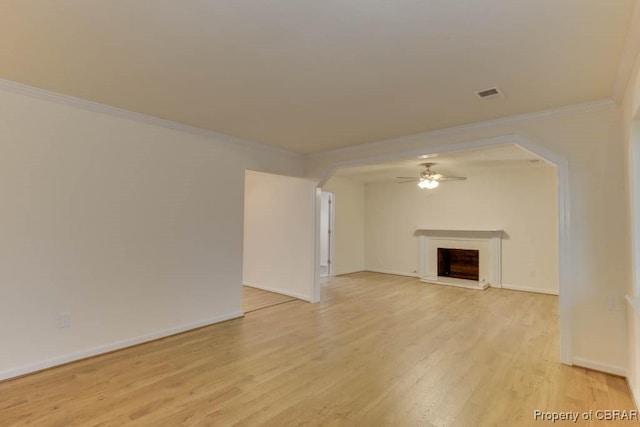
(487, 242)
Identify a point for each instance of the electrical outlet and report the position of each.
(64, 320)
(614, 303)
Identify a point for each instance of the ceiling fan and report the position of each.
(428, 178)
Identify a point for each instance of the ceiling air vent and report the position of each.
(491, 93)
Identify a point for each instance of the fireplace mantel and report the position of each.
(479, 234)
(491, 252)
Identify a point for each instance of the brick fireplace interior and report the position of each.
(459, 263)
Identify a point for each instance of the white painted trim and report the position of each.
(279, 291)
(424, 249)
(316, 279)
(350, 272)
(97, 107)
(496, 252)
(393, 272)
(85, 104)
(314, 248)
(530, 289)
(602, 367)
(603, 104)
(332, 236)
(566, 284)
(505, 140)
(634, 302)
(119, 345)
(629, 55)
(633, 393)
(565, 279)
(491, 277)
(458, 283)
(331, 268)
(460, 234)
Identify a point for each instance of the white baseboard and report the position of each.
(279, 291)
(530, 289)
(343, 273)
(634, 396)
(95, 351)
(602, 367)
(394, 272)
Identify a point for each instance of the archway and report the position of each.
(564, 251)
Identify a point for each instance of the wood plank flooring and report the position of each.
(380, 350)
(256, 299)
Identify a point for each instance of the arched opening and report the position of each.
(563, 249)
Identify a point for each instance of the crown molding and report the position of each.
(603, 104)
(97, 107)
(630, 56)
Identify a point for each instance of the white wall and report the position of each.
(348, 225)
(133, 229)
(279, 234)
(631, 132)
(633, 318)
(590, 138)
(522, 201)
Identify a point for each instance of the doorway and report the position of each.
(278, 244)
(327, 245)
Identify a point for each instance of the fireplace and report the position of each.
(486, 246)
(459, 263)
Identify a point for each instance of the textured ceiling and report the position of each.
(317, 75)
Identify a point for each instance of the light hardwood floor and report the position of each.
(256, 299)
(379, 350)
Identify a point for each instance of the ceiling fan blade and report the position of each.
(406, 177)
(451, 178)
(404, 182)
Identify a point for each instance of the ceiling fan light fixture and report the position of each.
(428, 184)
(428, 179)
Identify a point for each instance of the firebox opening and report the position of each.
(459, 263)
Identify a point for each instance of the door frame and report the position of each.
(331, 231)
